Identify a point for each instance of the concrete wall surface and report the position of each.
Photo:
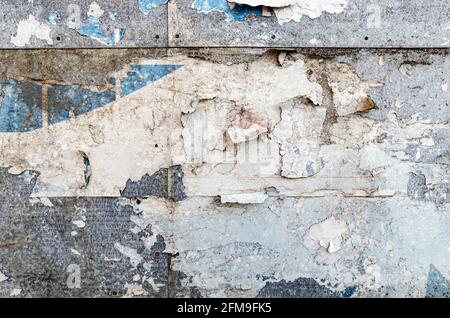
(201, 148)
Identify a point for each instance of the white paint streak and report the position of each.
(28, 28)
(74, 251)
(129, 252)
(244, 198)
(79, 223)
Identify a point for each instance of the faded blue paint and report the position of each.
(52, 17)
(64, 101)
(21, 101)
(112, 15)
(238, 13)
(309, 168)
(142, 75)
(148, 5)
(438, 286)
(348, 292)
(20, 106)
(94, 30)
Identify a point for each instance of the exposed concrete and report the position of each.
(82, 24)
(324, 23)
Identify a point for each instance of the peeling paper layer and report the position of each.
(311, 9)
(31, 27)
(266, 3)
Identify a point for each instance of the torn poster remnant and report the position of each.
(93, 28)
(244, 198)
(285, 10)
(31, 27)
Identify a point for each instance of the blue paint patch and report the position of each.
(66, 101)
(52, 17)
(148, 5)
(20, 106)
(94, 30)
(438, 286)
(348, 292)
(239, 12)
(142, 75)
(21, 101)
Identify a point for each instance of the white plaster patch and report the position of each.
(312, 9)
(329, 233)
(95, 10)
(350, 93)
(298, 134)
(15, 292)
(244, 198)
(28, 28)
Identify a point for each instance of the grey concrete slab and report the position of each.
(83, 24)
(362, 23)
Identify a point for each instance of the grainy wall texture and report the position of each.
(202, 148)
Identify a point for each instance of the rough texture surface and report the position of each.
(224, 172)
(206, 23)
(82, 23)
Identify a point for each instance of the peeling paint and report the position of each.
(244, 198)
(263, 174)
(311, 9)
(29, 28)
(237, 13)
(329, 234)
(94, 30)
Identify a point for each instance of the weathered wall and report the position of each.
(233, 172)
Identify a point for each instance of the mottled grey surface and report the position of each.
(300, 288)
(38, 244)
(419, 190)
(141, 30)
(363, 24)
(413, 23)
(413, 82)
